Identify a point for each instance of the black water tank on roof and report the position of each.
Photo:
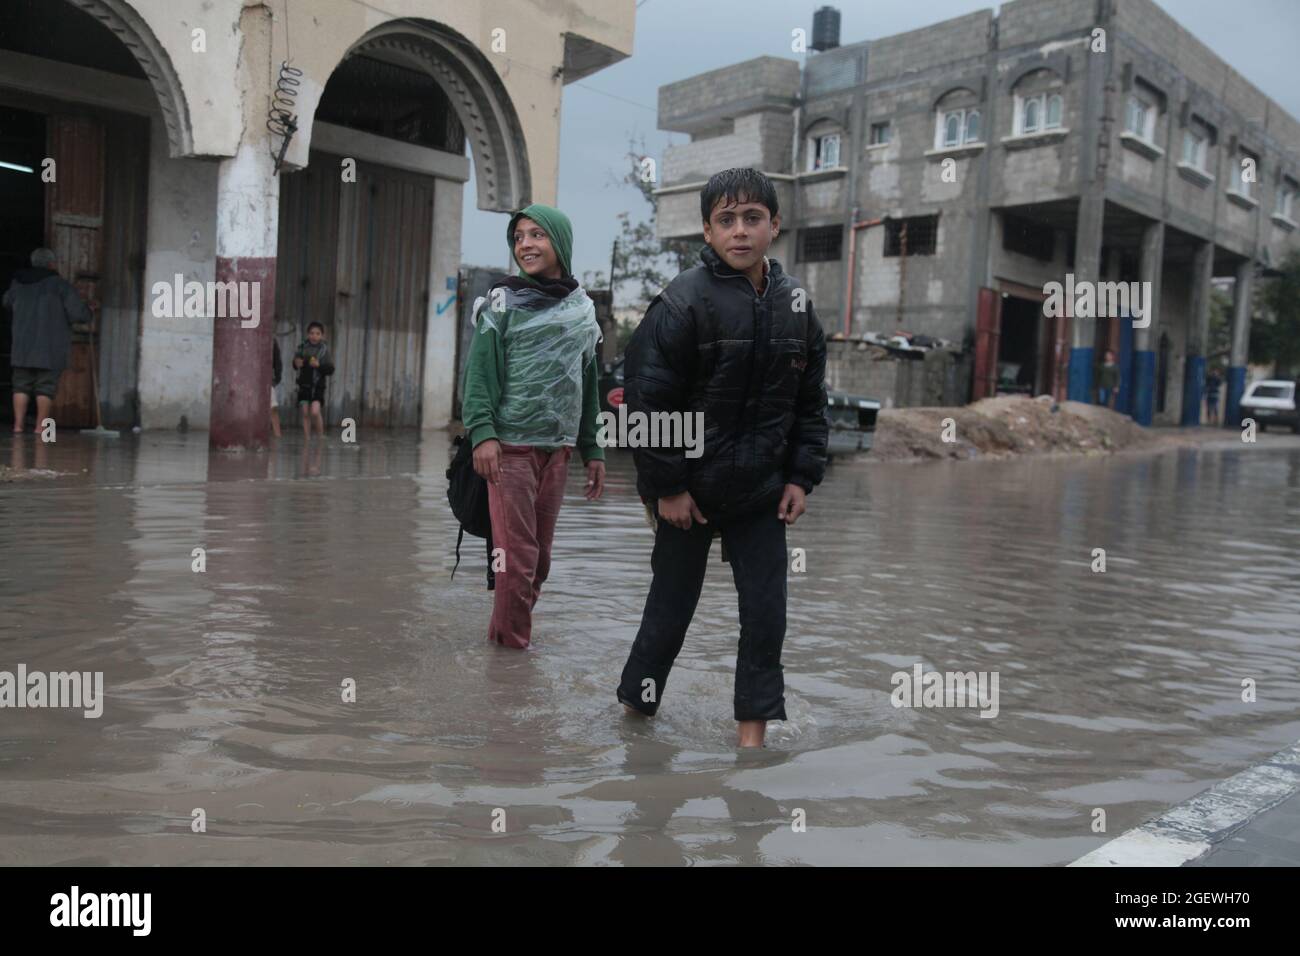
(826, 29)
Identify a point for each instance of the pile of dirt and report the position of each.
(1002, 427)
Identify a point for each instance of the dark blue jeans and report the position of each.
(755, 546)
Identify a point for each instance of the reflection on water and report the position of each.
(1119, 690)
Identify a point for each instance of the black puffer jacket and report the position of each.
(755, 365)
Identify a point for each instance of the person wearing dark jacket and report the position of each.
(45, 310)
(736, 340)
(315, 364)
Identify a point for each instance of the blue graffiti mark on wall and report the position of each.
(447, 305)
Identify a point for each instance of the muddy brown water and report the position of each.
(1118, 690)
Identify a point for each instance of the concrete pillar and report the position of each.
(248, 213)
(1150, 270)
(248, 205)
(1236, 377)
(1087, 268)
(1198, 334)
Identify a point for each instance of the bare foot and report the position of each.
(632, 711)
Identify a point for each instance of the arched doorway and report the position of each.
(77, 179)
(369, 230)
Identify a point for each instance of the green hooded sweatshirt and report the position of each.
(496, 359)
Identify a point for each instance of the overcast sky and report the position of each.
(675, 39)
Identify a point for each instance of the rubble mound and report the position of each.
(1005, 426)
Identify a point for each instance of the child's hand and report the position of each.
(680, 510)
(595, 479)
(487, 460)
(792, 504)
(314, 361)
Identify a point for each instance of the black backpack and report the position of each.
(467, 493)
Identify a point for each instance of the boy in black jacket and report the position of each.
(737, 340)
(315, 364)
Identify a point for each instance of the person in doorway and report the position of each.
(1213, 385)
(735, 340)
(315, 364)
(531, 396)
(277, 370)
(46, 309)
(1108, 380)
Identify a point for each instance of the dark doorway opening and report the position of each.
(1018, 347)
(22, 220)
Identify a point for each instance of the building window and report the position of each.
(1285, 198)
(1028, 238)
(1140, 118)
(957, 128)
(825, 152)
(820, 244)
(881, 133)
(918, 235)
(1195, 143)
(1240, 184)
(1039, 112)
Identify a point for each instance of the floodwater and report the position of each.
(1119, 690)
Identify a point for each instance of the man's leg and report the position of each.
(20, 410)
(756, 545)
(550, 495)
(511, 503)
(678, 562)
(44, 406)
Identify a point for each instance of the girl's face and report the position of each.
(534, 252)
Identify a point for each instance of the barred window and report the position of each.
(820, 244)
(919, 233)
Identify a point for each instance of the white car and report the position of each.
(1271, 402)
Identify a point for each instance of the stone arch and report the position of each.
(478, 96)
(129, 27)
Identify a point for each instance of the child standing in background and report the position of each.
(315, 364)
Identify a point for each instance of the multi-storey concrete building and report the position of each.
(937, 181)
(317, 148)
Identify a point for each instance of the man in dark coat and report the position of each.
(736, 342)
(45, 309)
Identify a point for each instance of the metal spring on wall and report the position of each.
(281, 120)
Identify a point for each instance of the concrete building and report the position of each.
(937, 181)
(316, 148)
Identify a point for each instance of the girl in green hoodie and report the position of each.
(531, 395)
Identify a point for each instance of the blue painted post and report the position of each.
(1193, 390)
(1235, 386)
(1080, 388)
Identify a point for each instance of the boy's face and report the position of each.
(741, 233)
(534, 252)
(314, 335)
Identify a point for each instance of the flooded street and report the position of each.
(1118, 690)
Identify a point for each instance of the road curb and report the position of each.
(1193, 828)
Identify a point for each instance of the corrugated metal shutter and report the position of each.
(356, 257)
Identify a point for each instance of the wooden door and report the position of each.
(988, 330)
(74, 224)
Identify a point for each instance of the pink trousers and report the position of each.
(524, 505)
